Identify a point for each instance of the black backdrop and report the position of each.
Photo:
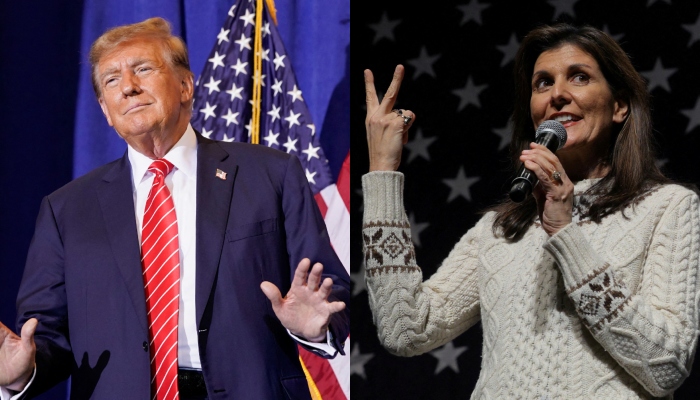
(458, 58)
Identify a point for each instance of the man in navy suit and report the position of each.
(248, 227)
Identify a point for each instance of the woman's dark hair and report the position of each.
(631, 156)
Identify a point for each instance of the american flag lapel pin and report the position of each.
(221, 174)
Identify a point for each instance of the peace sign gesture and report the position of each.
(387, 129)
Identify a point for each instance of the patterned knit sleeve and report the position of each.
(651, 329)
(412, 316)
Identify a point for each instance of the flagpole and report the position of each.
(257, 74)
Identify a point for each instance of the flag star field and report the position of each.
(221, 110)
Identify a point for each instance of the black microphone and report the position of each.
(550, 134)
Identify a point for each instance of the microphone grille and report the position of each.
(554, 127)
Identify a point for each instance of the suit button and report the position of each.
(145, 346)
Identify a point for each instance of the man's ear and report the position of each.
(103, 106)
(621, 110)
(187, 92)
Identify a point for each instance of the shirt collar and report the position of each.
(183, 156)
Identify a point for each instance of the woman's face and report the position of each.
(568, 86)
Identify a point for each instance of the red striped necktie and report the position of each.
(160, 258)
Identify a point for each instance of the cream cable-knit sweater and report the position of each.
(597, 311)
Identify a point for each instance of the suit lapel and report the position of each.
(213, 205)
(115, 194)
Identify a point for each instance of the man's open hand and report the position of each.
(305, 310)
(17, 355)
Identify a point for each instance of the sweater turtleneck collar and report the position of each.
(581, 186)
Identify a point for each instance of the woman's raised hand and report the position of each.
(387, 129)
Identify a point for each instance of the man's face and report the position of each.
(141, 92)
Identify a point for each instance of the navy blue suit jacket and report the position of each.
(83, 279)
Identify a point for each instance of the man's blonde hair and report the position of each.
(156, 28)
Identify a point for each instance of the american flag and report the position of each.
(223, 110)
(458, 56)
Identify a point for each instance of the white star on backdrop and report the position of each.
(212, 85)
(418, 146)
(447, 357)
(694, 30)
(231, 117)
(423, 64)
(416, 228)
(271, 138)
(505, 133)
(658, 77)
(616, 37)
(217, 60)
(693, 115)
(311, 152)
(471, 11)
(274, 113)
(278, 61)
(384, 28)
(290, 145)
(264, 54)
(361, 206)
(249, 18)
(460, 185)
(277, 87)
(240, 67)
(358, 361)
(310, 176)
(509, 50)
(249, 126)
(223, 35)
(243, 42)
(293, 119)
(208, 111)
(296, 94)
(358, 280)
(563, 7)
(235, 92)
(469, 94)
(260, 79)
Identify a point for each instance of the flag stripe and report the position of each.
(341, 367)
(337, 219)
(338, 224)
(321, 204)
(323, 375)
(343, 182)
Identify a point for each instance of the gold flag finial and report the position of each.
(272, 9)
